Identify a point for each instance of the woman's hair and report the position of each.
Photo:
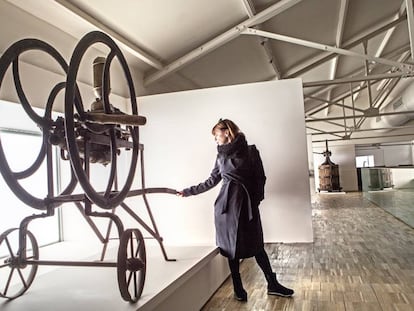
(226, 124)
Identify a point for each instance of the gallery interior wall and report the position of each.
(180, 151)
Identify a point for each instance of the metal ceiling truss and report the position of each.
(331, 103)
(321, 132)
(338, 41)
(388, 83)
(410, 18)
(329, 52)
(359, 39)
(251, 11)
(328, 84)
(375, 105)
(378, 53)
(366, 137)
(345, 127)
(358, 79)
(374, 115)
(407, 68)
(221, 39)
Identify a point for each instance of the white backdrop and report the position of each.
(180, 151)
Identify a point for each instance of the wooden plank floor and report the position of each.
(362, 258)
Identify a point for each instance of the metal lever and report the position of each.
(104, 118)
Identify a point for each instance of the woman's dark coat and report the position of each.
(239, 231)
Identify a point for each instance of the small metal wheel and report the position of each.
(15, 275)
(131, 265)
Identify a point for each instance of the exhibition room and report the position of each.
(126, 138)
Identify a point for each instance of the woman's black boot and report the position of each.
(239, 292)
(275, 288)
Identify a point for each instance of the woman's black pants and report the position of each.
(261, 258)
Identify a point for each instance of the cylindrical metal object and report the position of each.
(98, 65)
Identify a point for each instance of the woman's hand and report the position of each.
(180, 193)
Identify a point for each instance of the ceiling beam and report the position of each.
(320, 132)
(353, 88)
(366, 35)
(341, 22)
(251, 11)
(338, 40)
(410, 21)
(367, 137)
(124, 42)
(221, 39)
(401, 51)
(378, 103)
(381, 114)
(378, 53)
(251, 31)
(330, 103)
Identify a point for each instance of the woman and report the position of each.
(238, 226)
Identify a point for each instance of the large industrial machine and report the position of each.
(95, 136)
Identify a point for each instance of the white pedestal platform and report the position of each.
(185, 284)
(332, 192)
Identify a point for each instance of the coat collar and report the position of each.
(237, 146)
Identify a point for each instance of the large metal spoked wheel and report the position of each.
(16, 276)
(131, 265)
(11, 58)
(75, 113)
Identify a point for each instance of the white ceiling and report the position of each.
(175, 45)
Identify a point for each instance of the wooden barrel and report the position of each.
(329, 177)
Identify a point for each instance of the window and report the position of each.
(21, 149)
(21, 141)
(365, 161)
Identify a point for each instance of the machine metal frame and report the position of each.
(84, 137)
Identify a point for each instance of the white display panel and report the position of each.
(180, 151)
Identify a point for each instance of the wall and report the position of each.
(378, 154)
(344, 157)
(403, 178)
(388, 155)
(180, 151)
